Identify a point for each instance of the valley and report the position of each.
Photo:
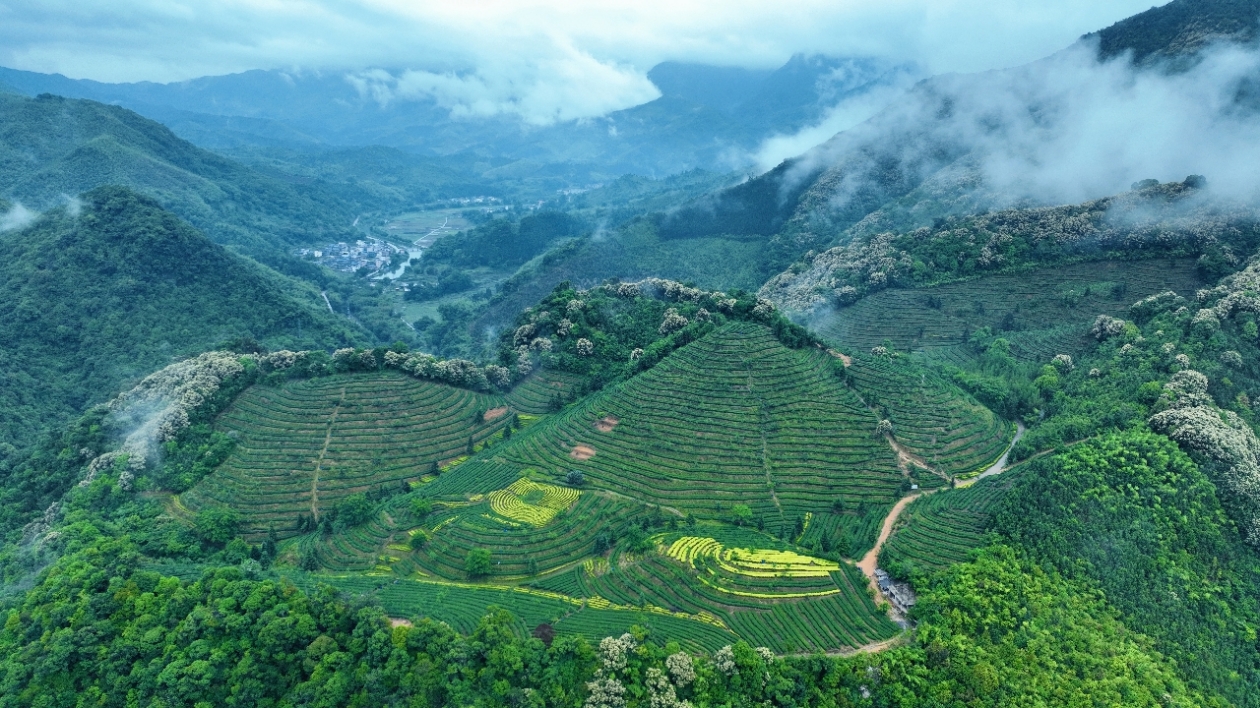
(547, 381)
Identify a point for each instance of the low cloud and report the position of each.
(567, 84)
(17, 217)
(1065, 129)
(848, 112)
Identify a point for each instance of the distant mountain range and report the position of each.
(708, 117)
(931, 153)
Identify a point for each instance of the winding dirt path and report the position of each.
(869, 562)
(1000, 466)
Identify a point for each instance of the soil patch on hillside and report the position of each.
(607, 423)
(494, 413)
(582, 452)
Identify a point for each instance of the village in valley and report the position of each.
(373, 253)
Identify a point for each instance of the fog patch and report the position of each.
(1063, 130)
(17, 217)
(74, 205)
(850, 111)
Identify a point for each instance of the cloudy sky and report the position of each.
(539, 53)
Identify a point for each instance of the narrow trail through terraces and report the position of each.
(319, 463)
(869, 562)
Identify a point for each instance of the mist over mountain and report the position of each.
(707, 117)
(1082, 124)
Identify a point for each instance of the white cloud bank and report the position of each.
(1062, 130)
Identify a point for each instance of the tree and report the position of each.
(421, 507)
(354, 510)
(477, 563)
(216, 525)
(267, 553)
(575, 478)
(741, 514)
(308, 560)
(418, 540)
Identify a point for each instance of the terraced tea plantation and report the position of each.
(1043, 312)
(528, 528)
(462, 606)
(942, 528)
(939, 425)
(735, 418)
(767, 593)
(536, 394)
(306, 445)
(722, 494)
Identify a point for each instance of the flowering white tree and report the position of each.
(1106, 327)
(672, 322)
(1193, 421)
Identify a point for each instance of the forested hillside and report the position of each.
(105, 290)
(52, 148)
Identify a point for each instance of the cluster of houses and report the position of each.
(349, 257)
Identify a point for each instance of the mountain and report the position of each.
(1178, 29)
(52, 147)
(707, 117)
(1012, 461)
(108, 288)
(1036, 135)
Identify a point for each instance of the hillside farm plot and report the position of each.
(850, 533)
(735, 418)
(308, 444)
(537, 394)
(463, 606)
(529, 502)
(519, 547)
(738, 571)
(934, 421)
(774, 597)
(1043, 312)
(942, 528)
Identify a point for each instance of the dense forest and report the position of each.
(101, 292)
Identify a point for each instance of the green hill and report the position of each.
(304, 447)
(51, 147)
(102, 296)
(721, 492)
